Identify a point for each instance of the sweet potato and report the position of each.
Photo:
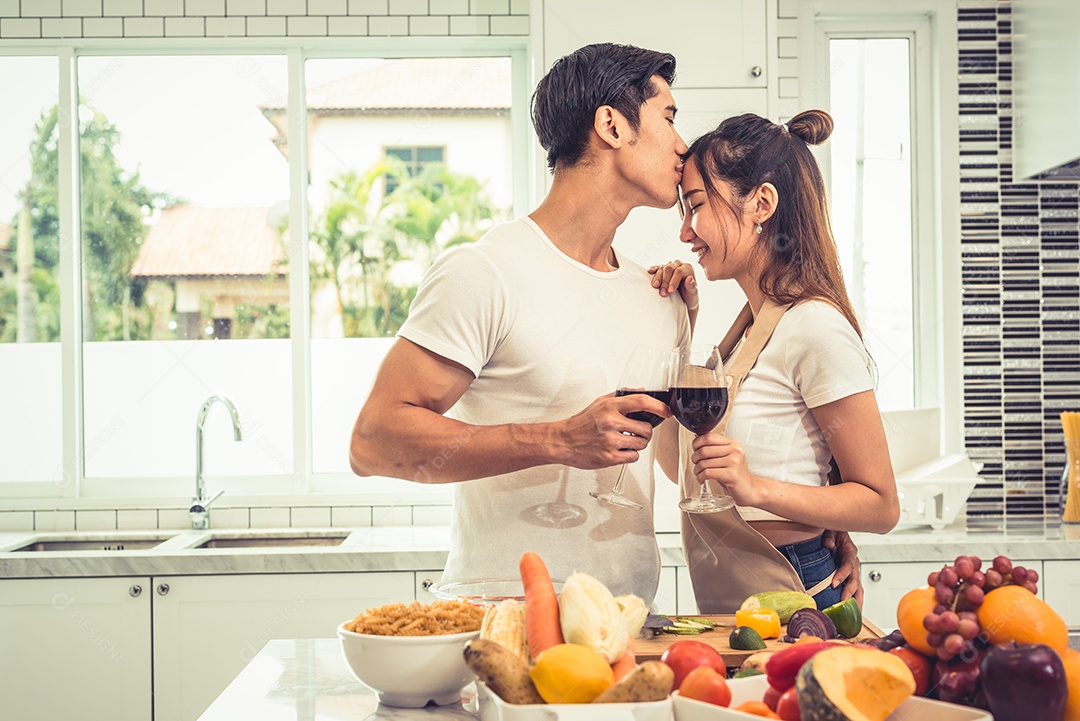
(501, 671)
(650, 681)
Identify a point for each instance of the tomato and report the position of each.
(788, 706)
(756, 708)
(920, 667)
(772, 697)
(684, 656)
(706, 684)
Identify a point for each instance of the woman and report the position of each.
(755, 212)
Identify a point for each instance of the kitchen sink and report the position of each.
(275, 541)
(83, 542)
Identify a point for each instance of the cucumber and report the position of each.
(784, 603)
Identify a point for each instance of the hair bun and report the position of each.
(813, 127)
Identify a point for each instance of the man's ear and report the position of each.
(608, 124)
(765, 202)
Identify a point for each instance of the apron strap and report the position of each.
(761, 330)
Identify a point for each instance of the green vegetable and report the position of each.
(686, 626)
(784, 603)
(847, 616)
(744, 638)
(744, 672)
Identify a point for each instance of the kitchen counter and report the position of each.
(425, 548)
(308, 679)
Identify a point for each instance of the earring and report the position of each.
(757, 228)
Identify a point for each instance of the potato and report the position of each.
(501, 671)
(756, 660)
(650, 681)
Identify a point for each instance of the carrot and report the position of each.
(626, 663)
(542, 630)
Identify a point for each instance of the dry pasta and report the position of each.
(417, 619)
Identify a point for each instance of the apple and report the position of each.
(1024, 681)
(772, 697)
(959, 681)
(787, 707)
(920, 666)
(705, 683)
(684, 656)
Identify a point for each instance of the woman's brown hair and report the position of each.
(747, 151)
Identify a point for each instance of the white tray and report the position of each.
(493, 708)
(753, 688)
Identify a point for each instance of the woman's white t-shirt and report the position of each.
(814, 357)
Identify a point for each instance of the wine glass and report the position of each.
(646, 372)
(699, 399)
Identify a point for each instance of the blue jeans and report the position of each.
(813, 562)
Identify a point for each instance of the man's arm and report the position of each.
(401, 431)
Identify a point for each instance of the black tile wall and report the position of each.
(1020, 261)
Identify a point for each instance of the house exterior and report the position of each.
(204, 262)
(450, 110)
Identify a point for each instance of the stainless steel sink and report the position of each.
(84, 542)
(275, 541)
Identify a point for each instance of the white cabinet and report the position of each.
(719, 43)
(1059, 585)
(686, 603)
(886, 583)
(207, 628)
(75, 648)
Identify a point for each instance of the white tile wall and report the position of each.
(138, 519)
(62, 521)
(270, 517)
(95, 520)
(260, 18)
(310, 517)
(391, 516)
(16, 521)
(350, 517)
(230, 517)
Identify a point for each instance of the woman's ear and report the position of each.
(607, 122)
(765, 202)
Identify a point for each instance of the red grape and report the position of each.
(1019, 575)
(977, 578)
(1002, 565)
(944, 593)
(934, 639)
(953, 644)
(977, 562)
(932, 579)
(1032, 575)
(968, 629)
(947, 577)
(1031, 587)
(973, 595)
(964, 567)
(948, 621)
(993, 580)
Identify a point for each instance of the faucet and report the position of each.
(200, 504)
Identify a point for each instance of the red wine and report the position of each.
(699, 409)
(650, 418)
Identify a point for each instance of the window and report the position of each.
(883, 86)
(872, 204)
(30, 350)
(210, 260)
(414, 161)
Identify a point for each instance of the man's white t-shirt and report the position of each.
(814, 357)
(545, 336)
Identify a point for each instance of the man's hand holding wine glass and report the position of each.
(603, 434)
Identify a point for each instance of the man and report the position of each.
(501, 379)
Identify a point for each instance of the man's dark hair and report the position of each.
(565, 102)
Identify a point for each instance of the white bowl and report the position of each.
(487, 591)
(753, 688)
(409, 671)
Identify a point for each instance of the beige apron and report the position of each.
(729, 560)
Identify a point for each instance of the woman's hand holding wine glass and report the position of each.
(699, 399)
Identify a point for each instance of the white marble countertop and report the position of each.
(307, 679)
(425, 548)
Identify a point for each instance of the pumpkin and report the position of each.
(852, 683)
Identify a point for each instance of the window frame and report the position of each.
(415, 165)
(936, 285)
(303, 483)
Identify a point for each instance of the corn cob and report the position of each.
(504, 623)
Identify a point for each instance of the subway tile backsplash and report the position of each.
(55, 19)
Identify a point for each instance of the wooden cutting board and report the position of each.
(651, 648)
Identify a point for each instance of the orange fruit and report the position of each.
(1071, 659)
(1013, 613)
(910, 612)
